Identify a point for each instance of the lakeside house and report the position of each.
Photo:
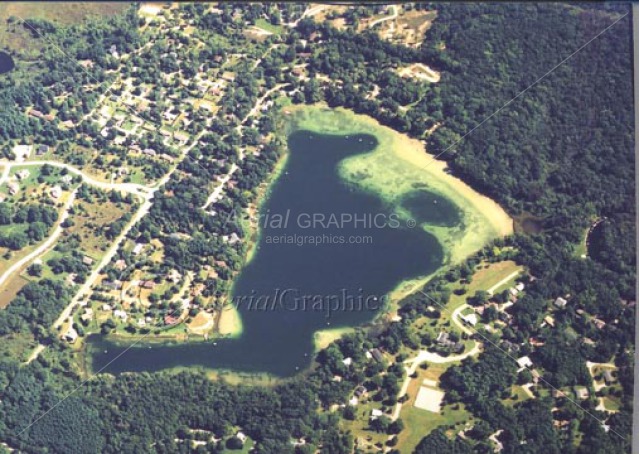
(171, 320)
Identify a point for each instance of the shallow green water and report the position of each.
(291, 290)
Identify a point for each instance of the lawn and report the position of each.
(492, 274)
(266, 25)
(360, 426)
(417, 422)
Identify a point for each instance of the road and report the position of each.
(131, 188)
(217, 191)
(462, 326)
(502, 282)
(44, 247)
(384, 19)
(220, 187)
(146, 193)
(309, 12)
(426, 356)
(108, 255)
(6, 167)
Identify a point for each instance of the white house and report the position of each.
(523, 363)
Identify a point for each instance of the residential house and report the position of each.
(523, 363)
(443, 339)
(375, 413)
(560, 302)
(170, 320)
(23, 174)
(137, 249)
(71, 335)
(608, 378)
(377, 355)
(120, 265)
(582, 393)
(470, 319)
(55, 192)
(122, 315)
(87, 315)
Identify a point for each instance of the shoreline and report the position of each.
(483, 219)
(396, 154)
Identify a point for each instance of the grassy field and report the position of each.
(326, 337)
(417, 422)
(492, 274)
(398, 166)
(266, 25)
(90, 219)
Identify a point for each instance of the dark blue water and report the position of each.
(308, 201)
(6, 63)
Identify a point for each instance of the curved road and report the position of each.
(384, 19)
(133, 188)
(44, 246)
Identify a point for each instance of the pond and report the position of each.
(6, 63)
(327, 255)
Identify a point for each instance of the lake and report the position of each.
(6, 63)
(295, 286)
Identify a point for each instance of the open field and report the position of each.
(230, 322)
(10, 289)
(494, 275)
(398, 166)
(326, 337)
(17, 38)
(201, 324)
(420, 422)
(429, 399)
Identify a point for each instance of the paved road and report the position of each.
(84, 289)
(426, 356)
(132, 188)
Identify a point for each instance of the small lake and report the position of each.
(291, 290)
(6, 63)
